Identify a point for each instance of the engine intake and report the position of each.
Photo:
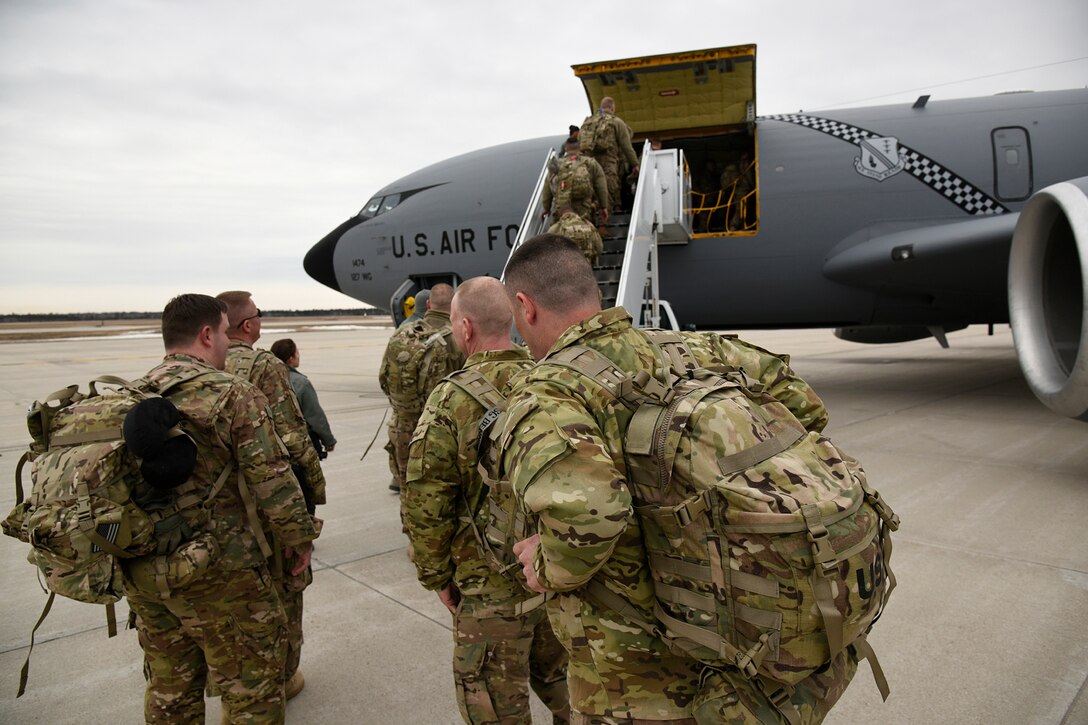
(1048, 307)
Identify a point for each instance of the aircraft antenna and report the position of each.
(951, 83)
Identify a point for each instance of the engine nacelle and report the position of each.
(1048, 306)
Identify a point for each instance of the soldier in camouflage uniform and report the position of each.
(502, 639)
(577, 181)
(228, 628)
(612, 147)
(581, 232)
(271, 377)
(562, 452)
(406, 389)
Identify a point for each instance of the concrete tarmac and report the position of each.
(989, 623)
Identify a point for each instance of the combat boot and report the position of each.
(294, 685)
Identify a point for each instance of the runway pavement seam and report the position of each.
(900, 539)
(374, 589)
(43, 639)
(1080, 699)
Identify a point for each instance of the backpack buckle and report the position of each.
(823, 553)
(748, 662)
(687, 511)
(883, 510)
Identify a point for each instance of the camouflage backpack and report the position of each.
(80, 518)
(767, 546)
(574, 187)
(496, 537)
(594, 137)
(416, 359)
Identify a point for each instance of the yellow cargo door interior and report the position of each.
(677, 94)
(700, 101)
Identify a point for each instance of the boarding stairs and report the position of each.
(627, 271)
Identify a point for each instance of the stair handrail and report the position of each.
(534, 222)
(638, 285)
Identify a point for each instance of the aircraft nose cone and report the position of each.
(318, 262)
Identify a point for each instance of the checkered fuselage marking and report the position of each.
(953, 187)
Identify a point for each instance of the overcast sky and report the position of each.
(150, 148)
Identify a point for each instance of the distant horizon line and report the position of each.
(138, 315)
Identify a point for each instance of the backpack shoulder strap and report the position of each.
(674, 350)
(634, 390)
(480, 388)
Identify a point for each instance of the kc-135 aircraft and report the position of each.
(889, 223)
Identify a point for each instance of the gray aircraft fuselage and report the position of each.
(461, 216)
(889, 223)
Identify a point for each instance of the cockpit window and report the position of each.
(372, 208)
(379, 205)
(389, 202)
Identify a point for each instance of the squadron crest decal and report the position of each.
(883, 157)
(879, 158)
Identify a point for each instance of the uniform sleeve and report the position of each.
(623, 140)
(383, 371)
(263, 461)
(429, 500)
(564, 478)
(290, 425)
(315, 414)
(548, 192)
(777, 377)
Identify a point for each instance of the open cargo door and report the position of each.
(677, 94)
(702, 102)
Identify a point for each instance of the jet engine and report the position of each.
(1048, 305)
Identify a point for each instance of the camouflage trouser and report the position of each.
(290, 590)
(401, 427)
(611, 167)
(496, 658)
(727, 697)
(580, 719)
(229, 626)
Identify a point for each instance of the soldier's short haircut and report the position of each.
(572, 141)
(552, 269)
(608, 103)
(236, 302)
(483, 300)
(284, 349)
(441, 296)
(185, 315)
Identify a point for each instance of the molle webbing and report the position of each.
(499, 527)
(674, 348)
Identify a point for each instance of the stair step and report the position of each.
(608, 289)
(608, 274)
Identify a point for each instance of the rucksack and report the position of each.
(574, 187)
(594, 136)
(417, 357)
(767, 546)
(503, 522)
(80, 518)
